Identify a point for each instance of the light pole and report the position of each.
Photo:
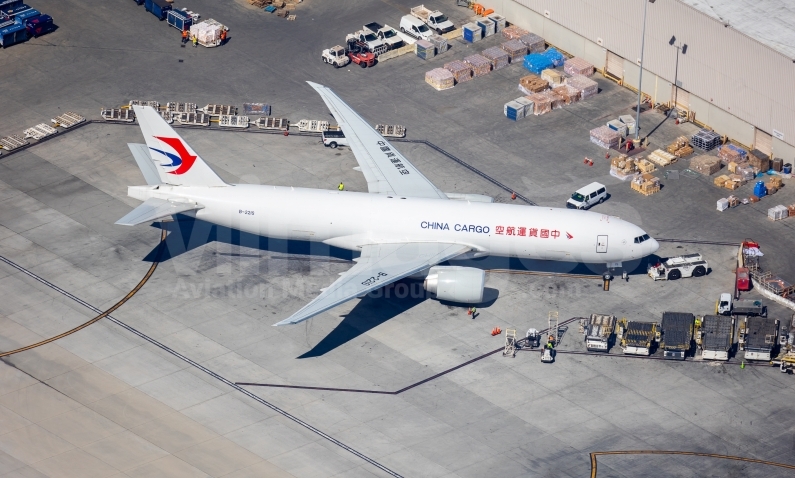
(640, 75)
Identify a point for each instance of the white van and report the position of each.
(587, 196)
(415, 27)
(332, 139)
(725, 304)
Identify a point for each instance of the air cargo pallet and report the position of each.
(116, 114)
(316, 126)
(195, 119)
(168, 116)
(391, 131)
(68, 119)
(153, 104)
(181, 107)
(13, 142)
(39, 131)
(219, 110)
(273, 123)
(257, 109)
(232, 121)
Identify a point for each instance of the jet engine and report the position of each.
(456, 284)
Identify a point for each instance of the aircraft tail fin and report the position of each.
(175, 161)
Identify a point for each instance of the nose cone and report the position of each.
(651, 246)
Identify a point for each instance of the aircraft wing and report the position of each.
(379, 265)
(384, 168)
(153, 209)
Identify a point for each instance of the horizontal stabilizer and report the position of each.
(141, 154)
(153, 209)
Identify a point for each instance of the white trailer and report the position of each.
(689, 265)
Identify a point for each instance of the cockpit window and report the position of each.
(641, 239)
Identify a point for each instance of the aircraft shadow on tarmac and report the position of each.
(379, 306)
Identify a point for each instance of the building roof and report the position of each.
(771, 22)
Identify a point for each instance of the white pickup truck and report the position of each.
(436, 20)
(386, 34)
(375, 45)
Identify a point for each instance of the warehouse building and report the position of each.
(731, 63)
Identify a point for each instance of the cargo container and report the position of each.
(637, 338)
(599, 332)
(159, 8)
(7, 5)
(677, 333)
(39, 26)
(179, 20)
(23, 17)
(758, 337)
(716, 337)
(10, 10)
(11, 33)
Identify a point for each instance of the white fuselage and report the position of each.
(350, 220)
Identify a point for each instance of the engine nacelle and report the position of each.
(456, 284)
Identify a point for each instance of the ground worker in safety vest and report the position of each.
(184, 36)
(223, 37)
(195, 41)
(341, 187)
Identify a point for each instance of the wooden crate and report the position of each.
(721, 180)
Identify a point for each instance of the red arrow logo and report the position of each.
(187, 159)
(569, 236)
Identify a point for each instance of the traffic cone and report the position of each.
(742, 364)
(513, 196)
(585, 161)
(607, 155)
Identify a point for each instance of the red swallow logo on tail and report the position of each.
(185, 159)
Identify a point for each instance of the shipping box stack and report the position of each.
(513, 32)
(515, 49)
(532, 84)
(731, 153)
(646, 184)
(498, 57)
(777, 213)
(440, 79)
(645, 166)
(680, 148)
(586, 86)
(542, 104)
(536, 63)
(706, 140)
(513, 110)
(568, 93)
(556, 101)
(499, 22)
(774, 184)
(553, 77)
(480, 65)
(487, 25)
(578, 66)
(605, 137)
(623, 167)
(759, 160)
(706, 165)
(461, 71)
(533, 42)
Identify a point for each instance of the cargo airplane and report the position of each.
(403, 226)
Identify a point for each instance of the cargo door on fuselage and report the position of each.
(601, 244)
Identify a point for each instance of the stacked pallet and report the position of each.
(706, 165)
(605, 137)
(555, 57)
(514, 110)
(662, 158)
(233, 121)
(536, 63)
(553, 77)
(13, 142)
(425, 49)
(578, 66)
(623, 167)
(117, 114)
(532, 84)
(778, 213)
(542, 104)
(706, 140)
(440, 78)
(218, 110)
(181, 107)
(679, 143)
(515, 48)
(568, 93)
(759, 162)
(194, 119)
(645, 166)
(152, 103)
(498, 57)
(533, 42)
(555, 100)
(314, 126)
(646, 184)
(513, 32)
(480, 65)
(461, 71)
(585, 85)
(729, 152)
